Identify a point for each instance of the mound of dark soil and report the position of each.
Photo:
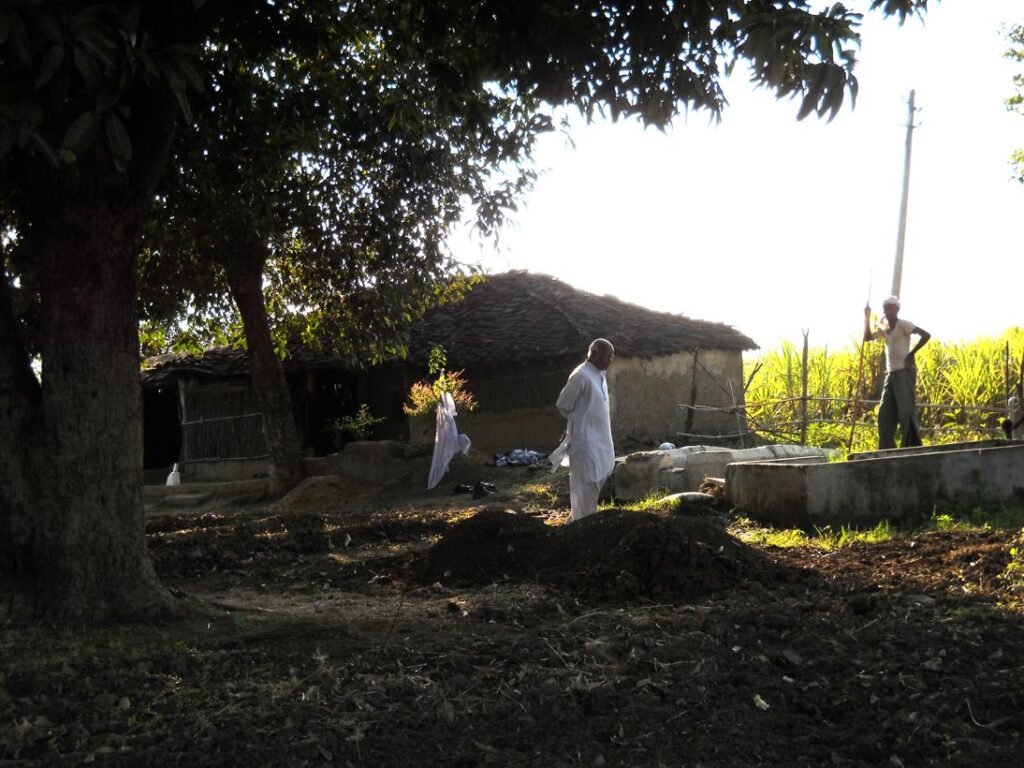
(612, 555)
(489, 546)
(629, 554)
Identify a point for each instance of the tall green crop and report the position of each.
(961, 390)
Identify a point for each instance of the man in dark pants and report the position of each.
(897, 407)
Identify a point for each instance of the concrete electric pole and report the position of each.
(897, 272)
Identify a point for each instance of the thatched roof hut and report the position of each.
(517, 335)
(522, 316)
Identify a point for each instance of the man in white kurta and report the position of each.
(588, 436)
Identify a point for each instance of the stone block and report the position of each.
(639, 474)
(680, 456)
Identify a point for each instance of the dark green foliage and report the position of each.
(352, 136)
(70, 70)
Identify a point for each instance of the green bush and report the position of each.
(348, 428)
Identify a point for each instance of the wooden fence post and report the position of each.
(1006, 369)
(690, 412)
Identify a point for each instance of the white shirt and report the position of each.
(897, 343)
(584, 402)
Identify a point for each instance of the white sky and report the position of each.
(774, 226)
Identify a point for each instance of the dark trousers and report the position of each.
(897, 409)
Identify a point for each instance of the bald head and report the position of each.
(601, 353)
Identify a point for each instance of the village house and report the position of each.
(516, 336)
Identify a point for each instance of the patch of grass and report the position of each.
(650, 503)
(945, 522)
(942, 519)
(883, 531)
(542, 495)
(1014, 572)
(753, 533)
(983, 517)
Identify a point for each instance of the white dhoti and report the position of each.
(583, 496)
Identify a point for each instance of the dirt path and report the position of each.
(439, 630)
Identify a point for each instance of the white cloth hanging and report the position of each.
(447, 441)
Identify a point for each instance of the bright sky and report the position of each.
(774, 226)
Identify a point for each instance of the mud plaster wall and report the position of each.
(538, 429)
(646, 395)
(516, 406)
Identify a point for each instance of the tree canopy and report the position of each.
(102, 103)
(350, 166)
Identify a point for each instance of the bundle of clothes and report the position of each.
(517, 457)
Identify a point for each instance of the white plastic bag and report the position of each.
(175, 477)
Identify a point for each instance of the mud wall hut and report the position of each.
(518, 335)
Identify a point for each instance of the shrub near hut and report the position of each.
(359, 426)
(424, 396)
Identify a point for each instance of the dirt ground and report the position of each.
(346, 626)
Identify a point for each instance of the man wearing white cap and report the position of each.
(897, 407)
(588, 435)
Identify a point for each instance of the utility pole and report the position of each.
(897, 272)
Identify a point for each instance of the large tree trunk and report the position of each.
(245, 278)
(72, 517)
(19, 412)
(86, 545)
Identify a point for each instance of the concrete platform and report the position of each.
(900, 485)
(681, 470)
(965, 446)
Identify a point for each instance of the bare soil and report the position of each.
(348, 626)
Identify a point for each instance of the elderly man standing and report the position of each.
(897, 407)
(588, 435)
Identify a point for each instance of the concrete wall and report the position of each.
(684, 469)
(861, 493)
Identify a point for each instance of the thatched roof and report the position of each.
(227, 362)
(519, 316)
(509, 317)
